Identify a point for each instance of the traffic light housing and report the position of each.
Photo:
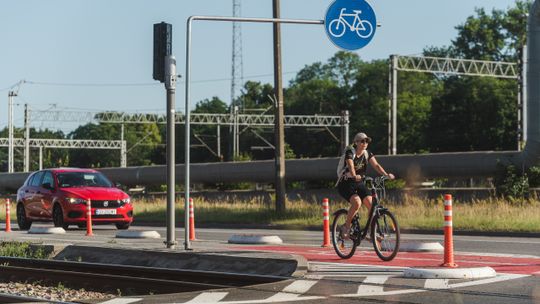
(162, 48)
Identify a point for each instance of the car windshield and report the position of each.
(82, 179)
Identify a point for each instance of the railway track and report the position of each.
(130, 280)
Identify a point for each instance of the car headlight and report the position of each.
(126, 200)
(73, 200)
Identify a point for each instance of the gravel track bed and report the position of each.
(58, 293)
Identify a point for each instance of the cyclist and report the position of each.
(350, 185)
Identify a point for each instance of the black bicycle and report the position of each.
(381, 226)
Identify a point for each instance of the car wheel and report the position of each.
(23, 222)
(81, 225)
(122, 226)
(58, 217)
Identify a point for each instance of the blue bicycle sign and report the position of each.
(350, 24)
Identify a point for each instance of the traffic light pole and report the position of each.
(170, 86)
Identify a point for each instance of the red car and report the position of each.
(60, 195)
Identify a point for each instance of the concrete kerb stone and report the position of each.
(46, 230)
(450, 273)
(249, 262)
(255, 239)
(134, 234)
(420, 247)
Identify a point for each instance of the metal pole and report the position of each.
(347, 122)
(40, 158)
(170, 86)
(11, 167)
(235, 131)
(390, 105)
(219, 141)
(394, 104)
(26, 138)
(123, 148)
(525, 62)
(187, 243)
(279, 120)
(344, 130)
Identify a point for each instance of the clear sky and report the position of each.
(80, 54)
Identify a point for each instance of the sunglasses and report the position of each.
(363, 141)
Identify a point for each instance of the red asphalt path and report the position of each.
(501, 264)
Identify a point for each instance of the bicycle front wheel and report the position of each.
(344, 247)
(385, 235)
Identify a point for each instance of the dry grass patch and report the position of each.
(412, 213)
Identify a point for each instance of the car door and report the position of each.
(47, 188)
(34, 195)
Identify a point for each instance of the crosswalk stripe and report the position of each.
(372, 284)
(208, 297)
(436, 283)
(292, 291)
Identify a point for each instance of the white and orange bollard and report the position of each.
(326, 223)
(8, 216)
(89, 218)
(191, 220)
(448, 238)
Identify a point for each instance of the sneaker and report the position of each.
(344, 232)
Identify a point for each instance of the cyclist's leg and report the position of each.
(356, 202)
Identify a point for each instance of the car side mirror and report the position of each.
(47, 186)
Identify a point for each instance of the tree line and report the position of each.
(435, 113)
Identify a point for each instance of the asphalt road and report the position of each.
(362, 279)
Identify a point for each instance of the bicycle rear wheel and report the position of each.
(385, 235)
(344, 247)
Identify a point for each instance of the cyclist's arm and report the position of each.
(352, 171)
(375, 164)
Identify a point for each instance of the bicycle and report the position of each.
(363, 28)
(381, 222)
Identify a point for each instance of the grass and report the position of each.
(22, 250)
(412, 213)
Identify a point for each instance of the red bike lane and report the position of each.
(501, 263)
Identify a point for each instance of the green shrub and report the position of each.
(511, 183)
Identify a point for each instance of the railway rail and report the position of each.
(130, 280)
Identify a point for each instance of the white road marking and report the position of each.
(122, 301)
(499, 278)
(293, 291)
(372, 285)
(208, 297)
(436, 284)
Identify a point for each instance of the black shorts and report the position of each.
(348, 188)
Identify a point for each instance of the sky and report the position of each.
(96, 55)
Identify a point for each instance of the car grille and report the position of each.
(110, 204)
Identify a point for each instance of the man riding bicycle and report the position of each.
(350, 185)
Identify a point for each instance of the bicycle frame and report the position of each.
(357, 21)
(374, 210)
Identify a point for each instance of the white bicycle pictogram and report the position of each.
(337, 27)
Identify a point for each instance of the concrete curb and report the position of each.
(420, 247)
(235, 261)
(450, 273)
(133, 234)
(46, 230)
(255, 239)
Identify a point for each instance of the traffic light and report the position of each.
(162, 48)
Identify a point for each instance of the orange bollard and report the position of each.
(191, 220)
(89, 218)
(448, 239)
(8, 217)
(326, 223)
